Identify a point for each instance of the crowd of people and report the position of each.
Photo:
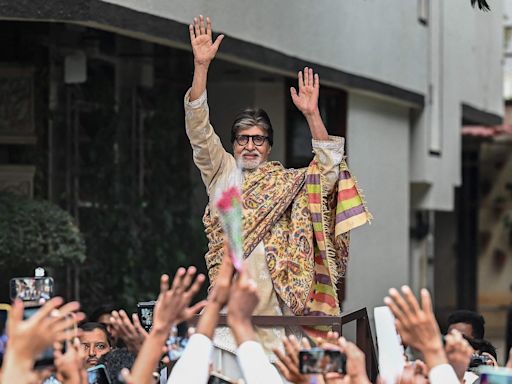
(133, 355)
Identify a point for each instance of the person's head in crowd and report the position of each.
(115, 361)
(470, 324)
(95, 341)
(102, 315)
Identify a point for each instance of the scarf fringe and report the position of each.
(330, 252)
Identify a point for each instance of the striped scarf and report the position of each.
(333, 215)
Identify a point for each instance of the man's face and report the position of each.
(464, 328)
(251, 156)
(95, 345)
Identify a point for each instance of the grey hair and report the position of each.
(249, 118)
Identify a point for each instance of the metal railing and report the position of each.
(364, 338)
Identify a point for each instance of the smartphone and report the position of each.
(492, 375)
(145, 313)
(217, 378)
(4, 313)
(98, 375)
(31, 289)
(45, 359)
(319, 360)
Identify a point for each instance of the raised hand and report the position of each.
(288, 362)
(243, 300)
(28, 338)
(172, 306)
(218, 296)
(306, 100)
(356, 363)
(49, 324)
(70, 364)
(132, 334)
(223, 282)
(203, 47)
(458, 352)
(416, 324)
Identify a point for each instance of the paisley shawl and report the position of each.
(304, 228)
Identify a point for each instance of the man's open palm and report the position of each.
(203, 47)
(306, 100)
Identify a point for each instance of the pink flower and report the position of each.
(228, 198)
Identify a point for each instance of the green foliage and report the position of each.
(37, 232)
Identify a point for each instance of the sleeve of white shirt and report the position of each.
(329, 154)
(443, 374)
(255, 365)
(193, 366)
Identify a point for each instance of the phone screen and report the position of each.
(145, 313)
(318, 360)
(98, 375)
(31, 289)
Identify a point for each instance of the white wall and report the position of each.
(474, 54)
(465, 66)
(378, 139)
(380, 39)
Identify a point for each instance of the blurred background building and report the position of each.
(91, 119)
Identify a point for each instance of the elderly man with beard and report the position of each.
(295, 221)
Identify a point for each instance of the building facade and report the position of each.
(399, 80)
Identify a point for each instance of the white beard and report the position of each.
(248, 165)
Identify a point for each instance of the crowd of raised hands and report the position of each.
(55, 322)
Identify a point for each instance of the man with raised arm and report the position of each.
(295, 221)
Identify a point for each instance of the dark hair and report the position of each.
(115, 361)
(482, 345)
(249, 118)
(91, 326)
(102, 310)
(475, 319)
